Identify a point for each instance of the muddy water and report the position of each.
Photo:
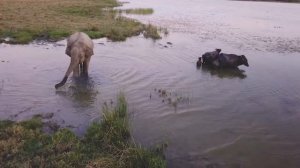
(248, 118)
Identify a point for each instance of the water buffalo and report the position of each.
(230, 61)
(199, 62)
(209, 57)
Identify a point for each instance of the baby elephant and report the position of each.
(80, 49)
(231, 61)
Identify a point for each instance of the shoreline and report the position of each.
(25, 21)
(106, 143)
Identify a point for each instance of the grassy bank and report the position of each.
(24, 21)
(107, 144)
(139, 11)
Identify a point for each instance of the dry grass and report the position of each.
(25, 20)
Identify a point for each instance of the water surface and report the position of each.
(248, 118)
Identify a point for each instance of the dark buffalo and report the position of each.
(230, 61)
(209, 57)
(199, 62)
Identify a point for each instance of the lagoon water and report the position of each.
(248, 118)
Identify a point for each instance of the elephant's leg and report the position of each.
(76, 71)
(86, 66)
(81, 69)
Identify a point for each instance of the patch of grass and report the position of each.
(107, 144)
(151, 32)
(23, 36)
(95, 34)
(57, 34)
(139, 11)
(79, 11)
(18, 37)
(24, 21)
(34, 123)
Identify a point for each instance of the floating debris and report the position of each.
(163, 93)
(58, 45)
(169, 100)
(173, 99)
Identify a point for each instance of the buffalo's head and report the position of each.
(244, 60)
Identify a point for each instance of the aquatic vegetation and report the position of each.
(25, 21)
(151, 32)
(107, 143)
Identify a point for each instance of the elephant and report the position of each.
(80, 48)
(209, 57)
(230, 61)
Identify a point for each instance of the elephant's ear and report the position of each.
(68, 51)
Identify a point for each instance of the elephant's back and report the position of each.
(80, 38)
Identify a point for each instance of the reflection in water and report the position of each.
(82, 91)
(1, 86)
(223, 73)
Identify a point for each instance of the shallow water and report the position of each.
(246, 118)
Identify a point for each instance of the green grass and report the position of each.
(25, 21)
(151, 32)
(107, 144)
(139, 11)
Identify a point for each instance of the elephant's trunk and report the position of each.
(60, 84)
